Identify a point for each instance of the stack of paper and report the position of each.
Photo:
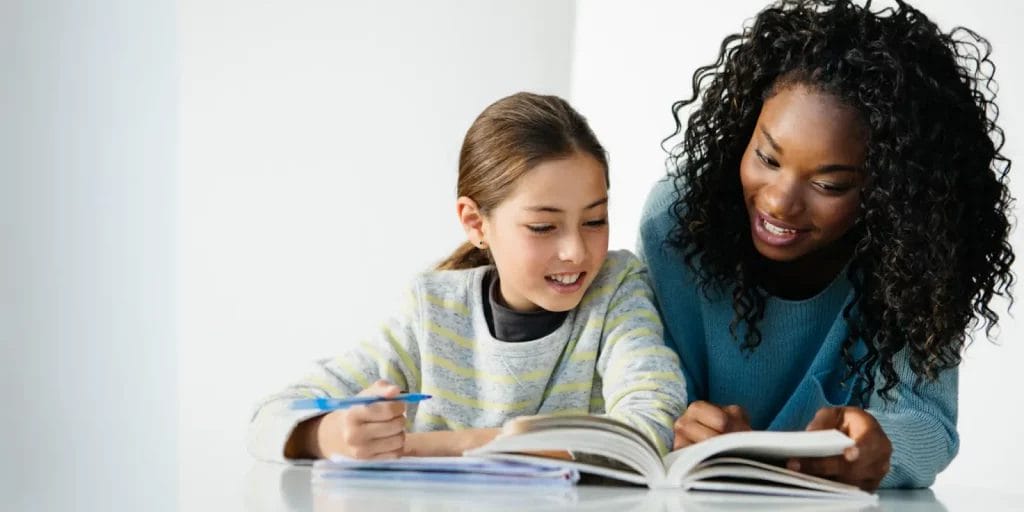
(446, 469)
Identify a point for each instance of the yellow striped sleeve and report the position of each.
(326, 385)
(641, 293)
(581, 357)
(634, 314)
(352, 372)
(403, 355)
(635, 388)
(634, 333)
(647, 429)
(390, 371)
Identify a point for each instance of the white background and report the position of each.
(87, 271)
(196, 204)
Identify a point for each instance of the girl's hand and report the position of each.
(447, 443)
(702, 420)
(865, 463)
(375, 431)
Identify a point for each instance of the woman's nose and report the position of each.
(782, 199)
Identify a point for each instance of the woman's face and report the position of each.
(802, 173)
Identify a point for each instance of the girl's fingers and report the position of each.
(380, 411)
(738, 420)
(709, 415)
(383, 429)
(696, 432)
(388, 447)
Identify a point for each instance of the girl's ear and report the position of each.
(471, 219)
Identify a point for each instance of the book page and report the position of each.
(757, 445)
(607, 443)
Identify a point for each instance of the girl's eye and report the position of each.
(596, 223)
(765, 159)
(540, 228)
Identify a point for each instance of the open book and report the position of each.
(745, 462)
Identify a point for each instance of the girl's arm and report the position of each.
(641, 380)
(449, 443)
(278, 433)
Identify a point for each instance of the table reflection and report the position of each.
(275, 487)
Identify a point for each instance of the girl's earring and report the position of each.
(482, 244)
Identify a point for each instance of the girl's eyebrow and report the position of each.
(552, 209)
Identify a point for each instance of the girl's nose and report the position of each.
(572, 249)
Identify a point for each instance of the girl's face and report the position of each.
(802, 173)
(549, 237)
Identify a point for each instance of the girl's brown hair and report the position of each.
(507, 139)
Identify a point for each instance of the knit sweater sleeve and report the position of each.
(391, 353)
(642, 382)
(921, 424)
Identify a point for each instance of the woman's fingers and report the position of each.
(825, 467)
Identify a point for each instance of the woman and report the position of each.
(834, 224)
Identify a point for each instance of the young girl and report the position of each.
(835, 224)
(531, 316)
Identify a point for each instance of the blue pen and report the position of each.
(334, 404)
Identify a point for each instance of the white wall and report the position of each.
(631, 63)
(87, 163)
(319, 144)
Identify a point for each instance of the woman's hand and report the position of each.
(702, 420)
(865, 463)
(374, 431)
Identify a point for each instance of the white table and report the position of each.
(275, 487)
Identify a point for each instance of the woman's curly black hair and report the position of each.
(930, 246)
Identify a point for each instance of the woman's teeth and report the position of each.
(776, 230)
(565, 278)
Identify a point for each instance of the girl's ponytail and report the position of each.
(466, 256)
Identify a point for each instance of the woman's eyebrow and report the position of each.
(771, 141)
(824, 169)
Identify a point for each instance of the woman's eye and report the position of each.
(540, 228)
(596, 223)
(765, 159)
(832, 188)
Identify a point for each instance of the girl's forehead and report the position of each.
(569, 183)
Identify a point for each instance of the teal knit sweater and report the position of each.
(798, 367)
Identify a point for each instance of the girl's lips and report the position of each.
(762, 233)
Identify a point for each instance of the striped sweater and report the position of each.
(607, 357)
